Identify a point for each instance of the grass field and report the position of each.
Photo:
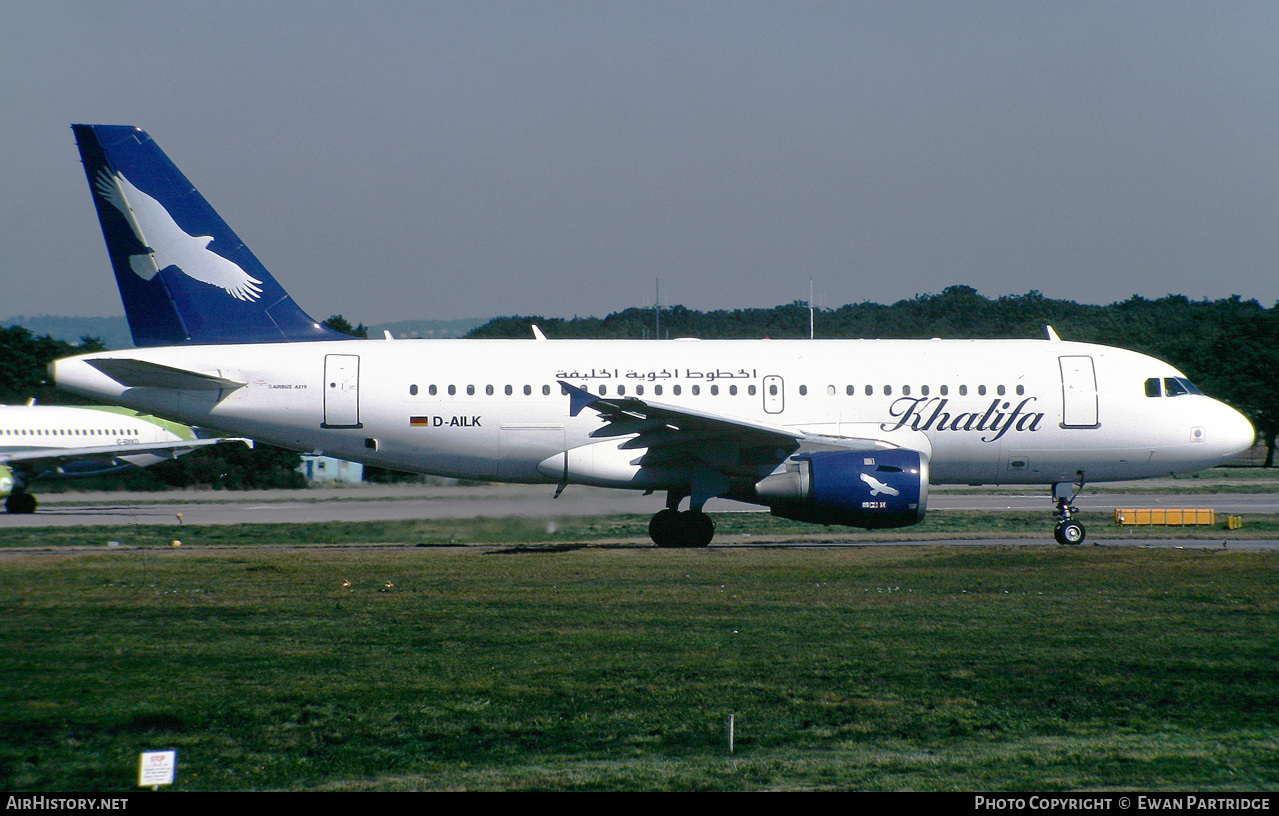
(613, 666)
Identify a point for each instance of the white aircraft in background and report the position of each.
(845, 432)
(55, 441)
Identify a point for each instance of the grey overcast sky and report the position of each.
(396, 160)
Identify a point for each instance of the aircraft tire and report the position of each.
(20, 503)
(672, 529)
(1070, 532)
(664, 528)
(698, 529)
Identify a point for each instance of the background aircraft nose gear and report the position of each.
(20, 501)
(1067, 530)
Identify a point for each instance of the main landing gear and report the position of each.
(20, 501)
(1067, 530)
(672, 528)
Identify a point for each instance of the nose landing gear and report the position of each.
(20, 501)
(1067, 530)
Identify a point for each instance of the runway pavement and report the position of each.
(381, 503)
(371, 503)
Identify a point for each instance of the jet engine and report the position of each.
(871, 489)
(6, 481)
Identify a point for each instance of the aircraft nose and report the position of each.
(1233, 434)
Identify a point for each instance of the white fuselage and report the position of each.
(44, 427)
(984, 411)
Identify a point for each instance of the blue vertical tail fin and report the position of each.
(183, 274)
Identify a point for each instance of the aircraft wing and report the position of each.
(680, 436)
(37, 459)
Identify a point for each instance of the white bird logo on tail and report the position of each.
(877, 487)
(169, 244)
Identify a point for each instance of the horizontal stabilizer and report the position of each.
(142, 374)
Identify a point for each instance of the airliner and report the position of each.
(56, 441)
(836, 432)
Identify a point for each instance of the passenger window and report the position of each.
(470, 390)
(945, 389)
(413, 390)
(488, 390)
(963, 390)
(849, 390)
(657, 389)
(697, 390)
(923, 389)
(732, 390)
(528, 390)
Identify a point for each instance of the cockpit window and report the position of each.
(1171, 387)
(1176, 386)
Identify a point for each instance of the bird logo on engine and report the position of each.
(877, 487)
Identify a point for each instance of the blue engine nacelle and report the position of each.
(871, 489)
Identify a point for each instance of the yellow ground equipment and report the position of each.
(1165, 517)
